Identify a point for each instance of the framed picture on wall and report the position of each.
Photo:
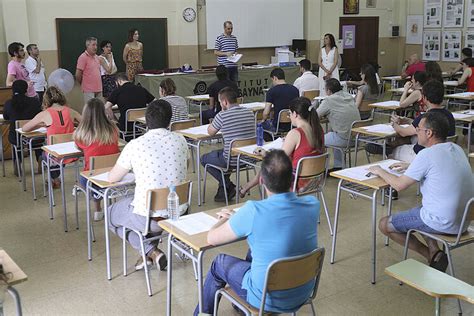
(451, 46)
(371, 4)
(432, 13)
(469, 40)
(351, 6)
(470, 13)
(414, 29)
(453, 13)
(431, 45)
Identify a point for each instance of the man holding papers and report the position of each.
(226, 46)
(295, 217)
(447, 184)
(158, 159)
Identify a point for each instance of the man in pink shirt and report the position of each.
(16, 68)
(88, 71)
(414, 65)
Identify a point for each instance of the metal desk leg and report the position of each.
(3, 155)
(389, 210)
(374, 233)
(106, 227)
(200, 285)
(88, 220)
(16, 297)
(198, 166)
(33, 184)
(469, 132)
(336, 217)
(63, 192)
(23, 177)
(50, 187)
(237, 176)
(356, 147)
(169, 276)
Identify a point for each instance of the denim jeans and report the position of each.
(333, 139)
(224, 270)
(216, 158)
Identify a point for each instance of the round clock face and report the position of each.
(189, 14)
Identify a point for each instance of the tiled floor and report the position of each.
(61, 281)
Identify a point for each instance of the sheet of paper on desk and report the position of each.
(276, 144)
(382, 128)
(64, 148)
(234, 58)
(462, 115)
(198, 130)
(129, 178)
(450, 83)
(461, 94)
(39, 130)
(195, 223)
(1, 117)
(199, 97)
(360, 173)
(253, 105)
(388, 103)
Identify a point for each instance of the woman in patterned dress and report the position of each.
(133, 54)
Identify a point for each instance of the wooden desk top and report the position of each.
(76, 153)
(11, 267)
(467, 119)
(397, 90)
(461, 96)
(198, 98)
(383, 106)
(363, 131)
(375, 183)
(101, 184)
(31, 134)
(236, 151)
(397, 78)
(198, 241)
(198, 136)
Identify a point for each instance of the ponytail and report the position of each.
(302, 106)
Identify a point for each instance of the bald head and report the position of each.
(413, 59)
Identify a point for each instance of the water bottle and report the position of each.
(259, 134)
(173, 204)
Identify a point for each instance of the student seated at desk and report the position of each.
(235, 122)
(21, 107)
(413, 65)
(467, 74)
(213, 91)
(306, 140)
(412, 92)
(446, 186)
(466, 52)
(368, 91)
(96, 135)
(375, 67)
(295, 217)
(433, 71)
(307, 81)
(178, 104)
(57, 117)
(158, 159)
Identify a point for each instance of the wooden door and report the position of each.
(366, 43)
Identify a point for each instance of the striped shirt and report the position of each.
(226, 44)
(179, 107)
(235, 123)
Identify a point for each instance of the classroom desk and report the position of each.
(463, 96)
(465, 117)
(106, 191)
(17, 276)
(195, 140)
(200, 101)
(181, 241)
(356, 187)
(27, 138)
(394, 80)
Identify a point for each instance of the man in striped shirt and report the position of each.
(226, 46)
(234, 122)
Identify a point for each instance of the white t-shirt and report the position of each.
(307, 81)
(446, 184)
(39, 79)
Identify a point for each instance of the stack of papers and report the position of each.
(234, 58)
(462, 115)
(387, 103)
(198, 130)
(38, 130)
(382, 128)
(64, 148)
(195, 223)
(200, 97)
(362, 173)
(461, 94)
(253, 105)
(452, 83)
(129, 178)
(276, 144)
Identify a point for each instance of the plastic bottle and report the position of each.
(259, 134)
(173, 204)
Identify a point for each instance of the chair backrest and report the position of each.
(241, 143)
(356, 124)
(311, 94)
(240, 100)
(20, 123)
(468, 216)
(106, 161)
(184, 124)
(453, 138)
(60, 138)
(311, 168)
(291, 272)
(132, 115)
(283, 117)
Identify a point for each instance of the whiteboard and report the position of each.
(257, 23)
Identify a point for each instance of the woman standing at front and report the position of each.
(107, 69)
(328, 61)
(133, 54)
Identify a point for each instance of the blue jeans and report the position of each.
(233, 73)
(410, 219)
(333, 139)
(216, 158)
(224, 270)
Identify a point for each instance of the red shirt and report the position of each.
(470, 81)
(62, 122)
(96, 149)
(419, 66)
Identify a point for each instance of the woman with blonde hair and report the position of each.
(57, 117)
(96, 135)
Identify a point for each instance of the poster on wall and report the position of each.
(469, 40)
(431, 45)
(453, 13)
(348, 36)
(414, 29)
(470, 13)
(432, 13)
(451, 46)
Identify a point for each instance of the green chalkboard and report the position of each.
(72, 33)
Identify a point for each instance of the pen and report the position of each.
(369, 174)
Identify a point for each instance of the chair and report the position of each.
(350, 144)
(157, 199)
(228, 168)
(313, 169)
(282, 274)
(184, 124)
(365, 111)
(450, 242)
(430, 281)
(283, 117)
(16, 148)
(240, 100)
(130, 117)
(453, 138)
(311, 94)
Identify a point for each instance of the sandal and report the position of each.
(439, 261)
(242, 195)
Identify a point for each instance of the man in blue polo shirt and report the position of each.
(226, 46)
(295, 217)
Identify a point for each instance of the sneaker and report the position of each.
(139, 265)
(159, 259)
(98, 216)
(394, 194)
(231, 192)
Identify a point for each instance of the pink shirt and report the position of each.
(419, 66)
(90, 66)
(19, 71)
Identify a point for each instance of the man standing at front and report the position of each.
(88, 71)
(16, 69)
(35, 68)
(296, 219)
(226, 46)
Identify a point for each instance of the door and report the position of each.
(366, 43)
